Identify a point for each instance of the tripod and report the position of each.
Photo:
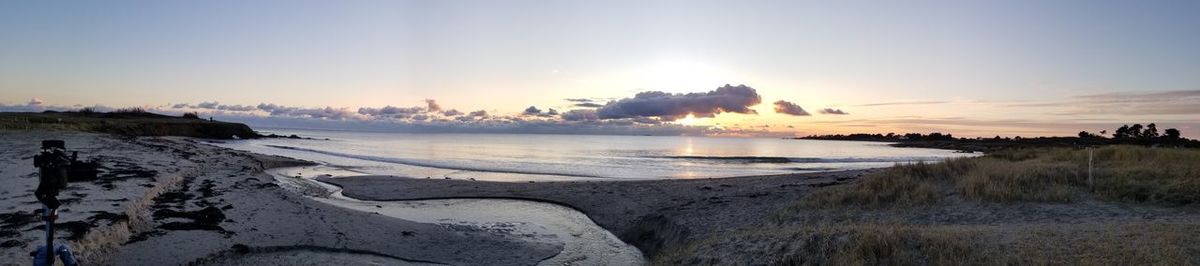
(52, 164)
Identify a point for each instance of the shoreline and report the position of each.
(652, 215)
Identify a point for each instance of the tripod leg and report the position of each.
(49, 217)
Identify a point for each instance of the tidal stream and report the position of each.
(583, 242)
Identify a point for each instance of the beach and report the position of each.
(175, 201)
(202, 204)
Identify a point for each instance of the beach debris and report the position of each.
(447, 178)
(17, 219)
(9, 234)
(112, 218)
(241, 249)
(13, 243)
(472, 179)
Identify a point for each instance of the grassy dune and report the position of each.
(131, 123)
(897, 244)
(1120, 173)
(1013, 207)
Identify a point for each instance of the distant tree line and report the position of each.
(1135, 134)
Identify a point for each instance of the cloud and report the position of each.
(217, 106)
(451, 112)
(579, 100)
(317, 113)
(1186, 102)
(432, 106)
(589, 105)
(37, 105)
(532, 110)
(390, 111)
(831, 111)
(904, 103)
(785, 107)
(480, 113)
(552, 112)
(580, 115)
(671, 106)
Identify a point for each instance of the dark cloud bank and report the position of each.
(672, 106)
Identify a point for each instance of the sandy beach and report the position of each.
(176, 201)
(171, 201)
(168, 201)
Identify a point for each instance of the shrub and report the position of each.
(130, 110)
(191, 115)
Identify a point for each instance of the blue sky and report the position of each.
(978, 67)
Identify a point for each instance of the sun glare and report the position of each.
(689, 120)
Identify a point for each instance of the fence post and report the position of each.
(1091, 181)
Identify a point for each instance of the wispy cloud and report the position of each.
(904, 103)
(1008, 127)
(1185, 102)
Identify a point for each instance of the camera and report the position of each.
(56, 169)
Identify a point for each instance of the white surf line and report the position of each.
(584, 242)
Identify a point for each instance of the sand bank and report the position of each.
(168, 201)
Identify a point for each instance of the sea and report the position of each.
(544, 157)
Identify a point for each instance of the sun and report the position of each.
(689, 120)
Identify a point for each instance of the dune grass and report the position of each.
(869, 225)
(1120, 173)
(1135, 243)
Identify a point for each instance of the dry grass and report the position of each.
(868, 244)
(1132, 174)
(875, 244)
(1121, 173)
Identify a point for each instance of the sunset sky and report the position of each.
(972, 68)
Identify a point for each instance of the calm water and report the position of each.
(520, 157)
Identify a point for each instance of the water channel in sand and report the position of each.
(584, 242)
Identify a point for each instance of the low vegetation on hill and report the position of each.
(126, 122)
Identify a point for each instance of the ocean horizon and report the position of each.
(532, 157)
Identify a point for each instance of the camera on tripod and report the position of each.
(55, 170)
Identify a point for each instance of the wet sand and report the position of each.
(650, 214)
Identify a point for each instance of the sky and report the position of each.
(971, 68)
